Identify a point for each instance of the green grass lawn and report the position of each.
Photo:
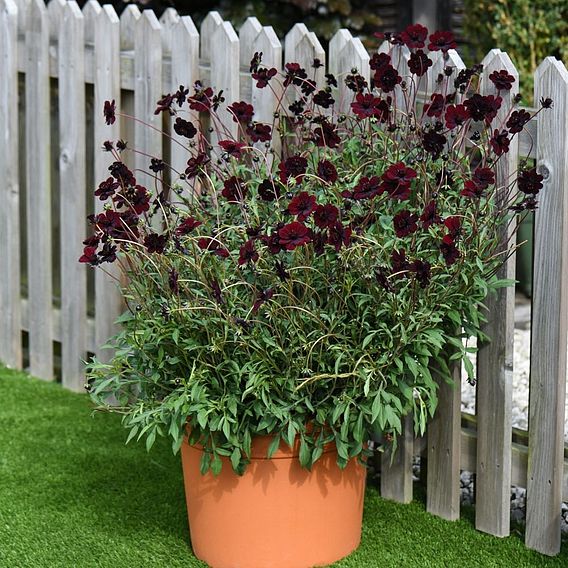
(72, 495)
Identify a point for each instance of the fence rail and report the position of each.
(65, 57)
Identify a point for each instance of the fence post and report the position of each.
(10, 317)
(72, 172)
(495, 359)
(549, 319)
(38, 189)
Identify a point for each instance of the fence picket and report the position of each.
(168, 21)
(108, 300)
(38, 199)
(495, 359)
(444, 447)
(303, 47)
(10, 319)
(549, 322)
(55, 16)
(72, 171)
(396, 477)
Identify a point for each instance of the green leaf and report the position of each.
(274, 445)
(305, 455)
(216, 465)
(236, 458)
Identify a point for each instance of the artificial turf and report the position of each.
(73, 495)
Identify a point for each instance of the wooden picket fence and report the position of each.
(58, 55)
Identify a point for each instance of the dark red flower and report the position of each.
(293, 235)
(422, 272)
(294, 166)
(419, 62)
(399, 262)
(381, 276)
(379, 60)
(272, 242)
(399, 173)
(326, 135)
(356, 83)
(255, 62)
(180, 95)
(173, 281)
(242, 112)
(517, 121)
(449, 250)
(294, 74)
(453, 224)
(268, 190)
(157, 165)
(500, 142)
(187, 226)
(155, 243)
(414, 36)
(442, 41)
(483, 107)
(248, 253)
(339, 236)
(430, 215)
(184, 128)
(216, 290)
(530, 182)
(330, 80)
(281, 271)
(366, 188)
(165, 104)
(436, 106)
(201, 99)
(140, 200)
(122, 174)
(195, 165)
(502, 80)
(325, 215)
(386, 78)
(405, 223)
(367, 105)
(484, 177)
(264, 296)
(308, 87)
(89, 256)
(472, 189)
(546, 102)
(213, 246)
(263, 75)
(456, 115)
(326, 171)
(302, 205)
(433, 143)
(260, 132)
(106, 189)
(234, 190)
(109, 112)
(232, 148)
(323, 99)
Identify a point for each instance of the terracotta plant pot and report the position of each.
(277, 515)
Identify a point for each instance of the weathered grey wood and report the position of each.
(444, 437)
(248, 33)
(55, 17)
(495, 359)
(23, 15)
(38, 192)
(225, 77)
(108, 300)
(147, 91)
(549, 320)
(168, 20)
(210, 23)
(72, 176)
(346, 53)
(396, 477)
(302, 46)
(185, 71)
(10, 318)
(91, 10)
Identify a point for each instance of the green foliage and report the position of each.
(528, 30)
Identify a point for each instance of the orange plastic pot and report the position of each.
(276, 515)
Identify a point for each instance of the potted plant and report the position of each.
(283, 306)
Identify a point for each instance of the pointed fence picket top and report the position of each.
(399, 55)
(345, 54)
(72, 179)
(168, 20)
(128, 24)
(23, 15)
(91, 11)
(495, 359)
(210, 23)
(225, 77)
(147, 91)
(55, 16)
(108, 300)
(303, 47)
(248, 33)
(440, 62)
(185, 71)
(39, 306)
(10, 322)
(549, 322)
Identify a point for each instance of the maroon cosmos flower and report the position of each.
(247, 253)
(386, 78)
(379, 60)
(155, 243)
(259, 132)
(263, 75)
(173, 281)
(212, 245)
(502, 80)
(396, 181)
(436, 106)
(433, 143)
(456, 115)
(201, 98)
(517, 121)
(165, 104)
(339, 236)
(367, 105)
(268, 190)
(241, 111)
(294, 166)
(293, 235)
(442, 41)
(500, 142)
(530, 182)
(109, 111)
(399, 261)
(184, 128)
(449, 250)
(326, 135)
(294, 74)
(232, 148)
(326, 171)
(366, 188)
(107, 189)
(484, 177)
(453, 224)
(272, 242)
(196, 164)
(255, 61)
(234, 190)
(414, 36)
(472, 189)
(187, 226)
(421, 270)
(323, 99)
(405, 223)
(263, 297)
(418, 63)
(302, 205)
(325, 215)
(108, 253)
(430, 215)
(483, 107)
(120, 172)
(89, 256)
